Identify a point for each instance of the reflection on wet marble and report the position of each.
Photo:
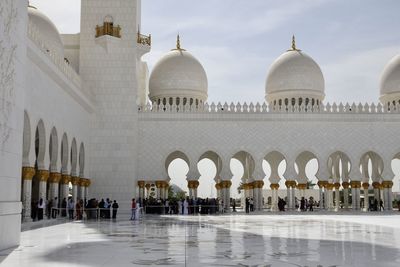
(230, 240)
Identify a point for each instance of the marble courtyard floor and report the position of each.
(229, 240)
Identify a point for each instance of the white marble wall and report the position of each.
(228, 133)
(13, 25)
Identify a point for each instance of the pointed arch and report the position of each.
(40, 144)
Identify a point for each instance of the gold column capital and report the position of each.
(218, 186)
(226, 184)
(329, 186)
(290, 183)
(65, 178)
(141, 184)
(88, 182)
(365, 185)
(148, 186)
(336, 185)
(193, 184)
(42, 175)
(54, 177)
(28, 173)
(75, 180)
(274, 186)
(376, 185)
(82, 182)
(387, 184)
(258, 184)
(159, 184)
(355, 184)
(301, 186)
(345, 185)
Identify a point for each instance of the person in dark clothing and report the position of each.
(64, 208)
(375, 205)
(41, 207)
(115, 207)
(302, 204)
(381, 205)
(247, 205)
(101, 207)
(234, 205)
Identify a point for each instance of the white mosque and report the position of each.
(82, 110)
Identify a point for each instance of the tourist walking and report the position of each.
(115, 207)
(133, 215)
(302, 204)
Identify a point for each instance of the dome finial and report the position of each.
(178, 43)
(294, 48)
(293, 43)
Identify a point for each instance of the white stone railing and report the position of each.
(58, 60)
(264, 108)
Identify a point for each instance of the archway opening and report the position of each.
(242, 167)
(177, 167)
(209, 167)
(306, 167)
(395, 164)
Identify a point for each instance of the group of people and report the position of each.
(183, 206)
(91, 209)
(307, 204)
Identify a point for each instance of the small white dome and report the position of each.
(390, 81)
(178, 75)
(294, 74)
(47, 30)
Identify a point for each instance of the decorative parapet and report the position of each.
(59, 61)
(264, 108)
(143, 39)
(108, 28)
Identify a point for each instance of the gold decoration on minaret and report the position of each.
(294, 48)
(178, 44)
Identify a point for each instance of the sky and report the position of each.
(237, 40)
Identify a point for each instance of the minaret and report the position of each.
(109, 61)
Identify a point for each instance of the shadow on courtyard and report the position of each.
(170, 241)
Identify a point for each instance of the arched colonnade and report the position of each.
(52, 161)
(340, 178)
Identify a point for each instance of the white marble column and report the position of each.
(159, 185)
(43, 176)
(27, 175)
(337, 196)
(65, 179)
(54, 180)
(141, 185)
(366, 200)
(288, 196)
(75, 185)
(274, 199)
(355, 192)
(346, 194)
(293, 195)
(226, 187)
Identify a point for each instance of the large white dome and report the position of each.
(47, 30)
(294, 75)
(178, 76)
(390, 82)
